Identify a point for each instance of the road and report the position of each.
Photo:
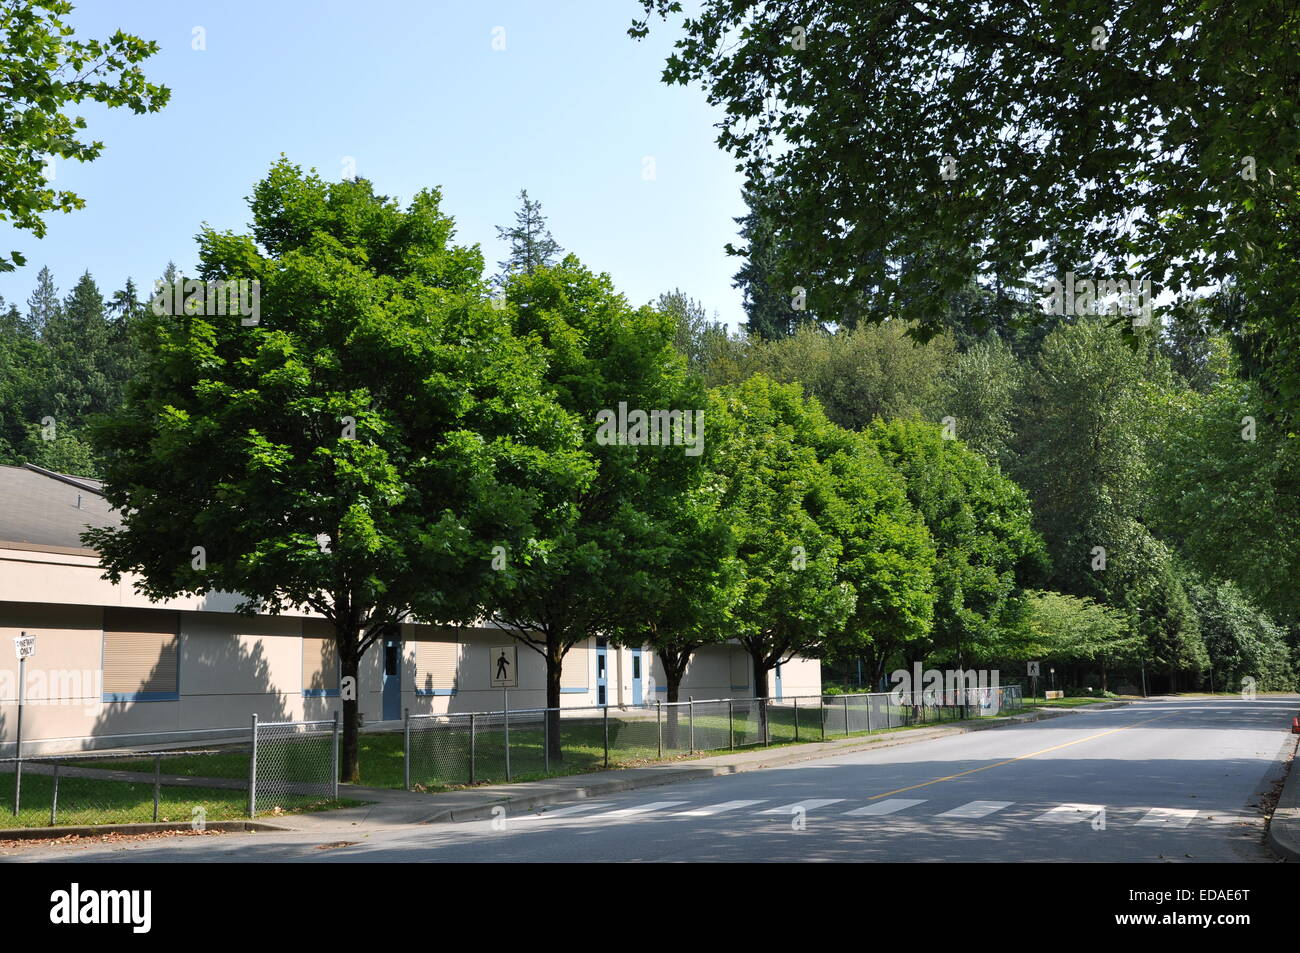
(1163, 781)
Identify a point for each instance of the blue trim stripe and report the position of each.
(142, 696)
(435, 691)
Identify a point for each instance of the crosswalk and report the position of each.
(1061, 814)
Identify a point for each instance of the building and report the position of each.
(113, 669)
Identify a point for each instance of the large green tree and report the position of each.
(578, 576)
(907, 149)
(987, 550)
(44, 68)
(360, 448)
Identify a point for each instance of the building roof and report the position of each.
(43, 509)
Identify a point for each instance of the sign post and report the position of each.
(24, 648)
(1033, 679)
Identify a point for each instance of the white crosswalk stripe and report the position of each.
(1167, 817)
(976, 809)
(576, 809)
(809, 805)
(641, 809)
(891, 806)
(722, 808)
(1071, 813)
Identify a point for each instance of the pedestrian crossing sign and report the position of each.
(502, 669)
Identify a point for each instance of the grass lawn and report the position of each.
(95, 801)
(1069, 702)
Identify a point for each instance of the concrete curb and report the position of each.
(1283, 833)
(635, 778)
(93, 830)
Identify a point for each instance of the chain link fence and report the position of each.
(451, 750)
(293, 763)
(281, 767)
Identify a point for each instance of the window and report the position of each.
(575, 670)
(437, 660)
(141, 655)
(320, 659)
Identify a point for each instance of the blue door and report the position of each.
(778, 679)
(602, 672)
(636, 676)
(392, 679)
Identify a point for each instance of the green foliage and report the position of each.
(981, 525)
(1072, 629)
(1231, 502)
(906, 150)
(531, 244)
(1241, 641)
(360, 449)
(589, 564)
(43, 69)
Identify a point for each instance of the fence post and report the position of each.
(54, 800)
(659, 726)
(505, 713)
(796, 718)
(252, 773)
(546, 740)
(157, 784)
(869, 707)
(334, 759)
(605, 711)
(690, 708)
(731, 724)
(765, 713)
(406, 748)
(18, 785)
(821, 710)
(846, 716)
(473, 743)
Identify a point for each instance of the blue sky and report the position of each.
(416, 95)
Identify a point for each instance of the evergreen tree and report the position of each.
(43, 305)
(531, 244)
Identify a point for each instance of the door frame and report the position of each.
(391, 685)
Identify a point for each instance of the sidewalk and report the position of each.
(1284, 826)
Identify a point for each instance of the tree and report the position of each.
(531, 244)
(43, 305)
(770, 307)
(888, 555)
(986, 549)
(1225, 486)
(1241, 641)
(859, 374)
(45, 69)
(1070, 629)
(602, 357)
(780, 497)
(1081, 452)
(909, 149)
(980, 391)
(362, 449)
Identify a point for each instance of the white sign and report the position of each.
(1033, 669)
(503, 670)
(25, 646)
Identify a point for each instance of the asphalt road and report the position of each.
(1176, 781)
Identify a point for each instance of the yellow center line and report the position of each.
(1032, 754)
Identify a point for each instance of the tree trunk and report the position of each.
(554, 666)
(674, 664)
(349, 691)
